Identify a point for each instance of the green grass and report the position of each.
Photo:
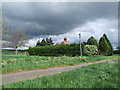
(20, 62)
(102, 75)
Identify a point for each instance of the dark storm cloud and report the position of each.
(55, 18)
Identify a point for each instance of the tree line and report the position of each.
(104, 45)
(91, 47)
(44, 42)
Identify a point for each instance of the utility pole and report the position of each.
(80, 44)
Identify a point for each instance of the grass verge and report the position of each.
(101, 75)
(21, 62)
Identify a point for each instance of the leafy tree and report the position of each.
(92, 41)
(49, 41)
(111, 51)
(38, 43)
(45, 42)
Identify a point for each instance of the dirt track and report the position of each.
(15, 77)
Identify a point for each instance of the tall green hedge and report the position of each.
(56, 50)
(111, 51)
(105, 47)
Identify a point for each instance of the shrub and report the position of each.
(110, 51)
(92, 41)
(90, 50)
(103, 47)
(56, 50)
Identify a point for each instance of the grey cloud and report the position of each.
(55, 18)
(96, 28)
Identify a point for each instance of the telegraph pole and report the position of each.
(80, 44)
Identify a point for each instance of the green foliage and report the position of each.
(49, 41)
(117, 52)
(110, 52)
(85, 43)
(105, 47)
(92, 41)
(90, 50)
(45, 42)
(38, 43)
(101, 75)
(16, 63)
(56, 50)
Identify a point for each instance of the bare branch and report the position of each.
(17, 39)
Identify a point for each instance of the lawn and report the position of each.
(101, 75)
(22, 62)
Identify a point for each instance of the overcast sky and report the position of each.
(63, 19)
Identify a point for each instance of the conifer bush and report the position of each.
(92, 41)
(105, 47)
(110, 51)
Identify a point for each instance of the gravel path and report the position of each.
(15, 77)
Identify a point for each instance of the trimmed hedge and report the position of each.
(56, 50)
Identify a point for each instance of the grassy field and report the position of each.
(22, 62)
(102, 75)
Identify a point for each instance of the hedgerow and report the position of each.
(56, 50)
